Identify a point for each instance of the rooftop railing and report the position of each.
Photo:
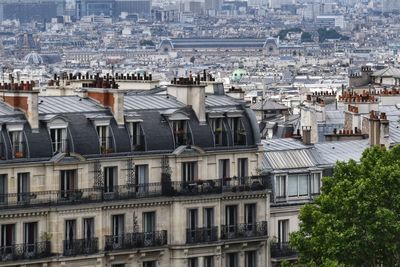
(136, 240)
(201, 235)
(124, 192)
(282, 250)
(244, 230)
(81, 247)
(36, 250)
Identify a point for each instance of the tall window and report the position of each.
(283, 231)
(250, 215)
(189, 171)
(18, 149)
(70, 231)
(110, 179)
(88, 228)
(231, 218)
(7, 237)
(180, 129)
(224, 167)
(251, 258)
(58, 140)
(142, 178)
(315, 183)
(67, 183)
(232, 260)
(217, 128)
(242, 167)
(149, 222)
(118, 228)
(149, 264)
(192, 218)
(3, 188)
(209, 261)
(280, 186)
(298, 185)
(208, 214)
(30, 235)
(104, 139)
(193, 262)
(135, 132)
(23, 186)
(238, 131)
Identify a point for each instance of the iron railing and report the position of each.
(282, 250)
(36, 250)
(244, 230)
(201, 235)
(81, 247)
(136, 240)
(132, 191)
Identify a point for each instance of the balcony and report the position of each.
(81, 247)
(201, 235)
(244, 230)
(136, 240)
(282, 250)
(124, 192)
(37, 250)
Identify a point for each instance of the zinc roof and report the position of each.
(67, 104)
(151, 102)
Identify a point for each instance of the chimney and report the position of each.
(306, 135)
(110, 98)
(384, 131)
(190, 92)
(374, 130)
(23, 97)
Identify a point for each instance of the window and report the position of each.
(118, 227)
(3, 188)
(189, 171)
(209, 261)
(142, 178)
(7, 238)
(104, 139)
(193, 262)
(30, 235)
(149, 222)
(67, 183)
(58, 140)
(250, 215)
(192, 218)
(283, 231)
(242, 167)
(232, 260)
(136, 135)
(217, 128)
(88, 228)
(298, 185)
(180, 133)
(119, 265)
(110, 179)
(17, 144)
(238, 131)
(149, 264)
(23, 187)
(315, 183)
(208, 214)
(280, 186)
(70, 232)
(231, 218)
(224, 168)
(250, 258)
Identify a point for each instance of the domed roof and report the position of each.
(238, 74)
(33, 58)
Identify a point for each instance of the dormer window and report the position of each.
(217, 128)
(17, 144)
(16, 135)
(180, 132)
(136, 135)
(58, 133)
(238, 131)
(58, 140)
(104, 139)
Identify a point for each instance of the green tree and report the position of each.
(356, 219)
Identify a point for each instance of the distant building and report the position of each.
(330, 21)
(29, 10)
(390, 5)
(280, 3)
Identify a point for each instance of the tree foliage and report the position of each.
(355, 221)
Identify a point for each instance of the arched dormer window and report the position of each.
(57, 127)
(103, 129)
(17, 139)
(178, 121)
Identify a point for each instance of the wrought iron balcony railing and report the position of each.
(136, 240)
(201, 235)
(131, 191)
(244, 230)
(282, 250)
(36, 250)
(81, 247)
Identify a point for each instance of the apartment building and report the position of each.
(111, 177)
